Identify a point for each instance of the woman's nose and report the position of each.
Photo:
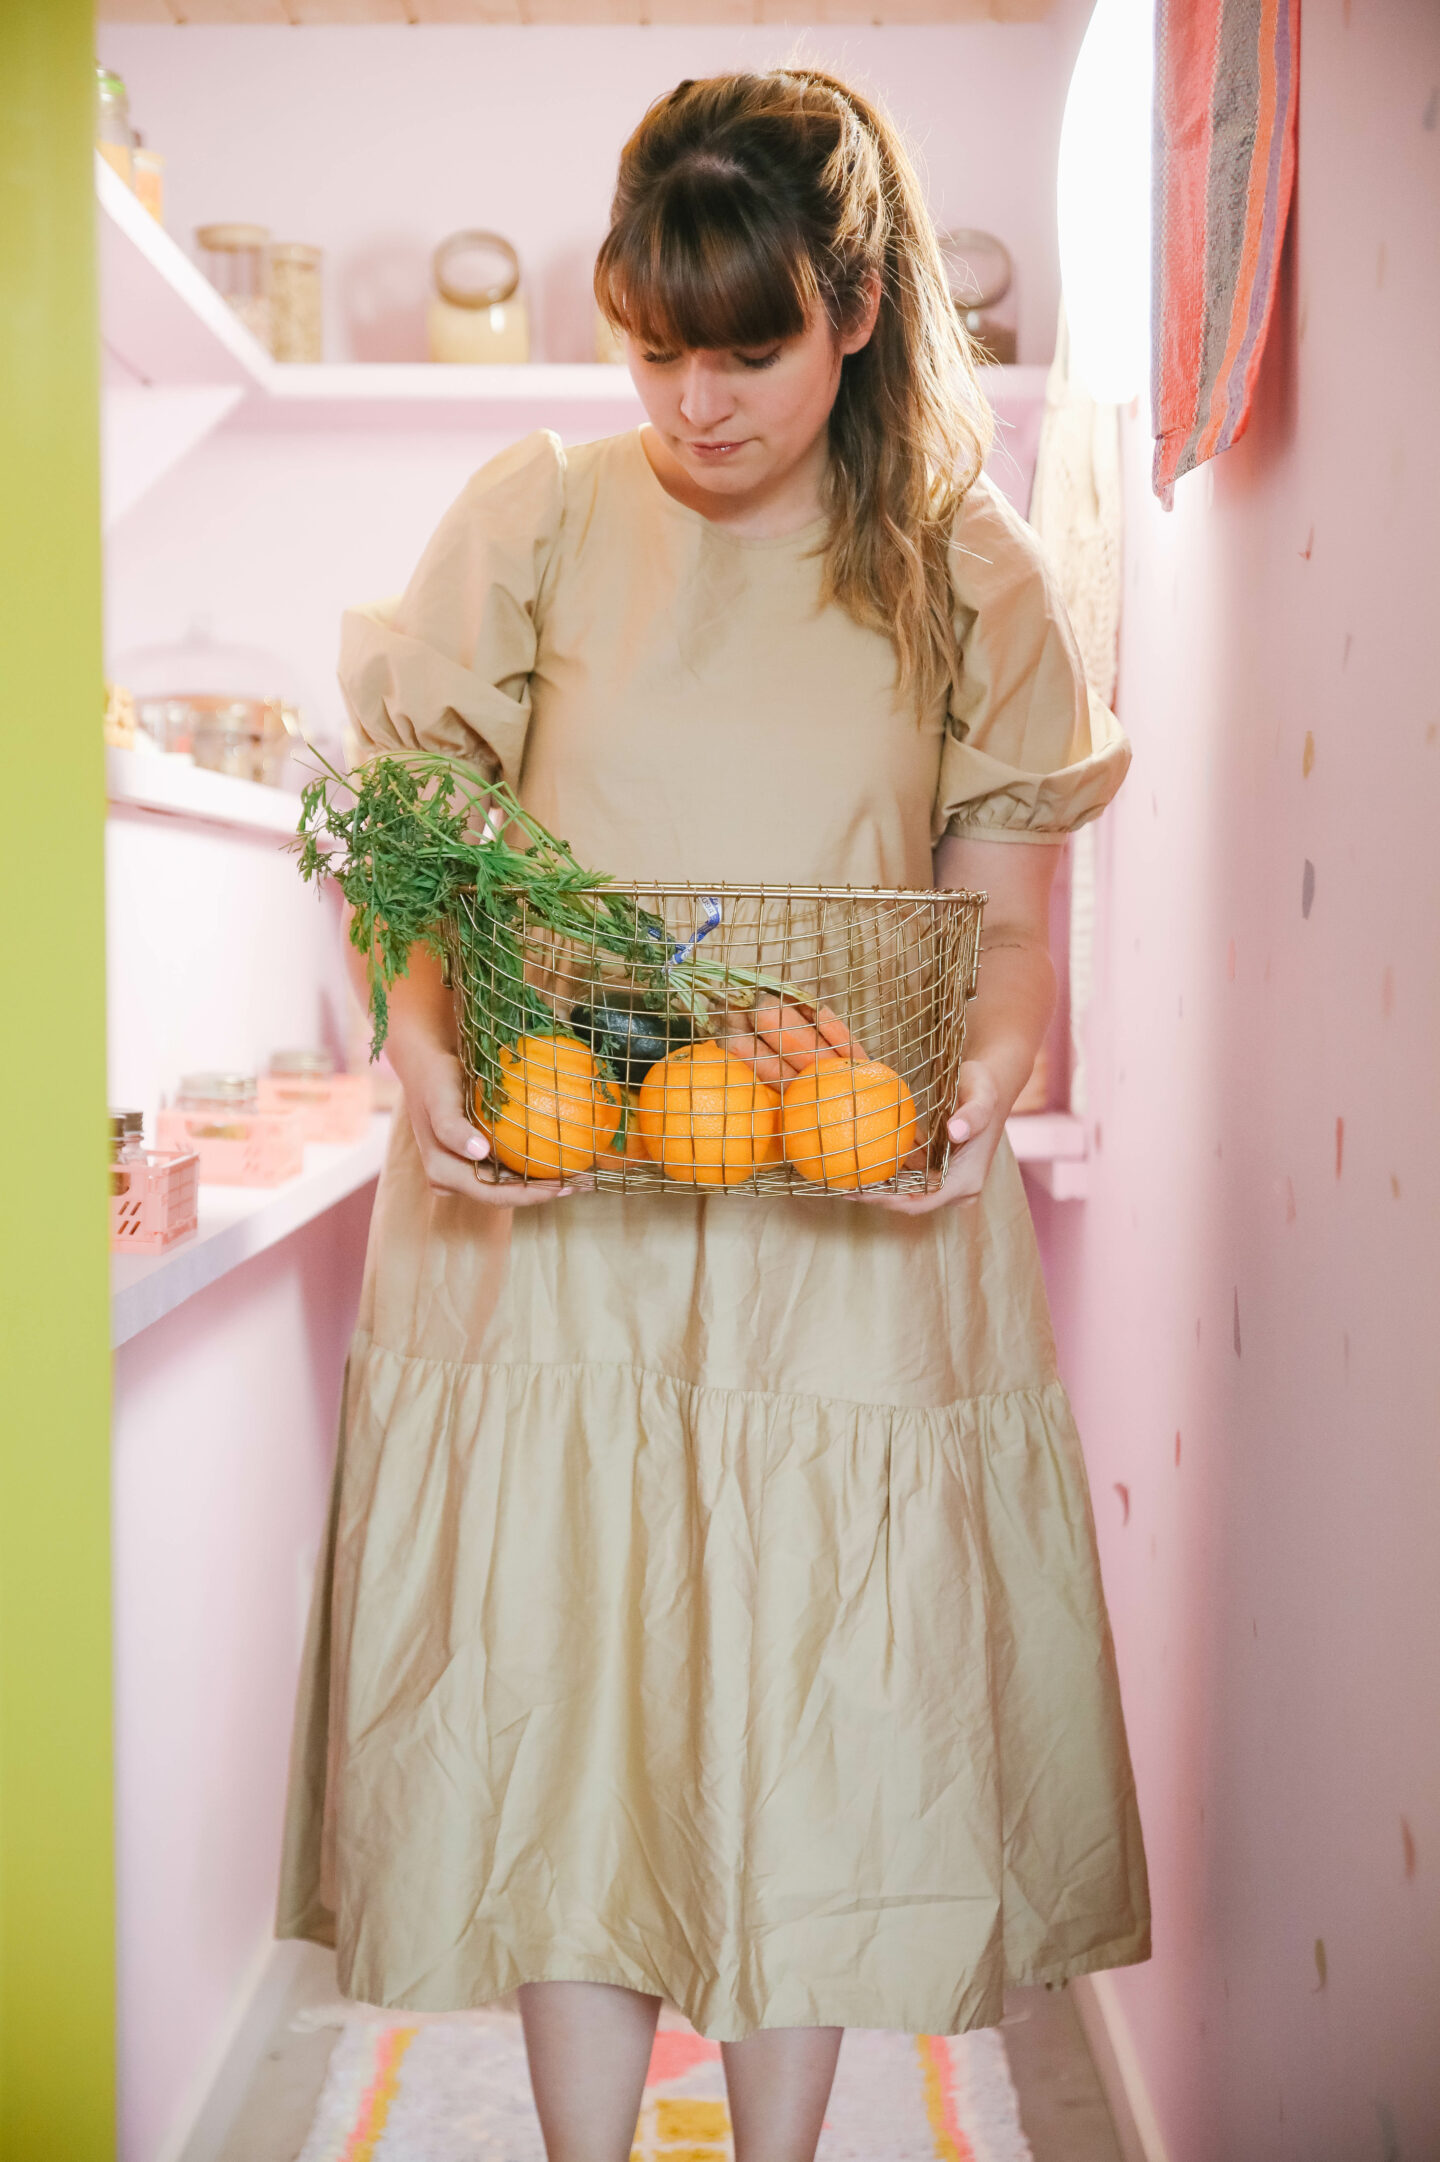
(705, 398)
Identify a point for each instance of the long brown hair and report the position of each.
(743, 203)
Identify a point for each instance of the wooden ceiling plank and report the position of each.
(134, 11)
(466, 11)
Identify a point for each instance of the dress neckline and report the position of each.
(805, 535)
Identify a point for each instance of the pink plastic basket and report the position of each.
(236, 1147)
(332, 1107)
(153, 1204)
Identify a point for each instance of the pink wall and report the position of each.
(1247, 1305)
(377, 142)
(224, 1437)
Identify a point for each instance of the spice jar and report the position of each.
(147, 178)
(219, 1116)
(114, 136)
(234, 259)
(478, 315)
(295, 324)
(333, 1107)
(153, 1198)
(127, 1146)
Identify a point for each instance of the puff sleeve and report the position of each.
(1028, 754)
(447, 667)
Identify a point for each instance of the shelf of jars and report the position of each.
(167, 330)
(235, 1224)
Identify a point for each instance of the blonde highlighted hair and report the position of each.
(744, 203)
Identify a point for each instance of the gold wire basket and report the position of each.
(856, 979)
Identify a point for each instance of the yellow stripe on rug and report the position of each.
(938, 2073)
(381, 2092)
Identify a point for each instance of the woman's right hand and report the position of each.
(457, 1159)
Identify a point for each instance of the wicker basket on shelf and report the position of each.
(885, 975)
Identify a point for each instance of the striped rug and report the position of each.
(1225, 109)
(457, 2090)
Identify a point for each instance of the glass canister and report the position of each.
(334, 1107)
(127, 1146)
(154, 1198)
(981, 274)
(147, 178)
(295, 319)
(478, 314)
(219, 1116)
(235, 258)
(114, 136)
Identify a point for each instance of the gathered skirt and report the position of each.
(636, 1657)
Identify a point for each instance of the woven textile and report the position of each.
(457, 2090)
(1225, 106)
(1076, 509)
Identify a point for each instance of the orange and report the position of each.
(557, 1111)
(848, 1122)
(706, 1119)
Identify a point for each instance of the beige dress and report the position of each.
(711, 1602)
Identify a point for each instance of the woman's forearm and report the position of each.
(1010, 1014)
(421, 1008)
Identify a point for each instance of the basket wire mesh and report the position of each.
(622, 1081)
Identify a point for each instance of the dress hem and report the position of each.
(1123, 1951)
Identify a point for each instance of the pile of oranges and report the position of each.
(803, 1093)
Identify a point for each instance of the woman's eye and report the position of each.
(758, 360)
(658, 360)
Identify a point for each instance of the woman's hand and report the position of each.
(421, 1046)
(975, 1127)
(457, 1159)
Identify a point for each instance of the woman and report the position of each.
(712, 1610)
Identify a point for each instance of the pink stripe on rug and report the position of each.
(381, 2092)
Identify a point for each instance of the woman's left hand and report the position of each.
(976, 1124)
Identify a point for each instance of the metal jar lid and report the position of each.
(474, 287)
(232, 239)
(318, 1065)
(217, 1088)
(124, 1123)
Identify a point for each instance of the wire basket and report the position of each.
(837, 1073)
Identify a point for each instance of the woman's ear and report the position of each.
(862, 329)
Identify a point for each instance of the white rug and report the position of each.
(456, 2089)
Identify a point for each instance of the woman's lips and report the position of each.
(714, 450)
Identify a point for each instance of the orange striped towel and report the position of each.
(1225, 106)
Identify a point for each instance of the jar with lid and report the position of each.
(235, 709)
(478, 314)
(220, 1117)
(334, 1107)
(235, 258)
(295, 321)
(127, 1147)
(981, 275)
(114, 136)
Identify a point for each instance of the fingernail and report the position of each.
(959, 1131)
(475, 1146)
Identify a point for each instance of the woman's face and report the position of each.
(740, 422)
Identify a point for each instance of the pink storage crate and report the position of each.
(332, 1107)
(237, 1146)
(153, 1202)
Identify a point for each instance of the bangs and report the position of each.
(705, 263)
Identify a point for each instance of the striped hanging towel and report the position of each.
(1225, 101)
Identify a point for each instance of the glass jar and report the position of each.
(127, 1146)
(334, 1107)
(114, 136)
(981, 275)
(236, 261)
(295, 321)
(147, 178)
(236, 709)
(478, 314)
(239, 1142)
